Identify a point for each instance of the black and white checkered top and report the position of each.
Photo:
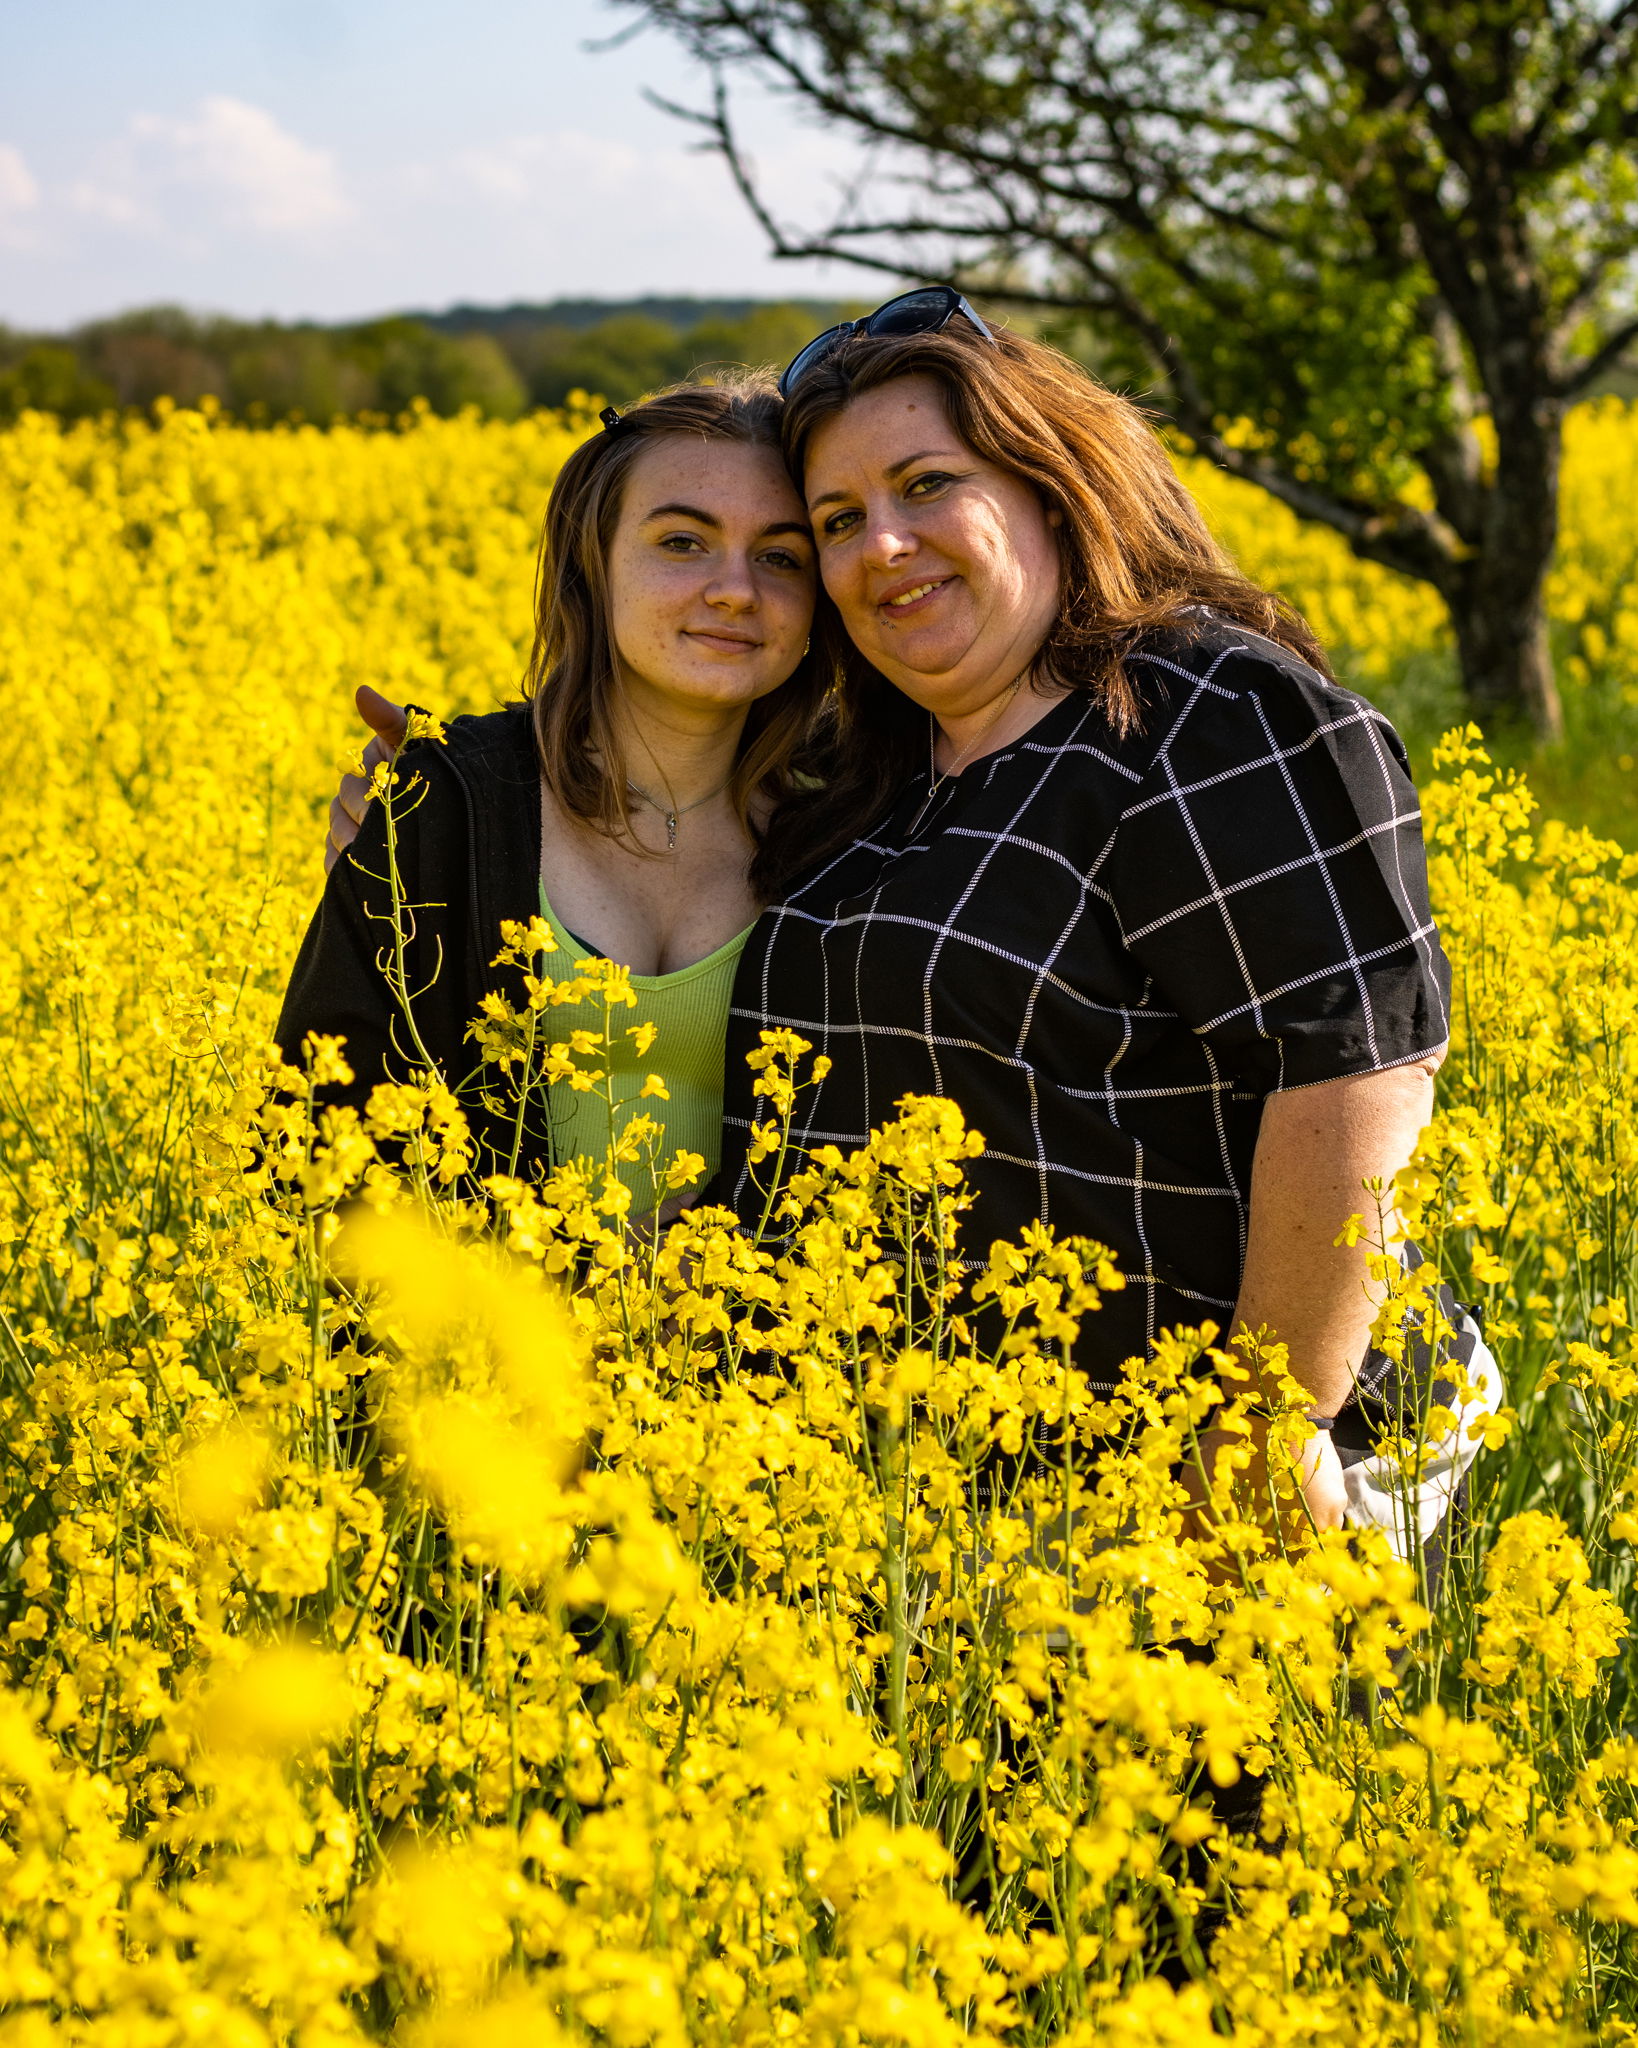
(1108, 951)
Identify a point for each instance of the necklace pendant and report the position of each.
(670, 831)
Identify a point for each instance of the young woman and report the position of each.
(641, 799)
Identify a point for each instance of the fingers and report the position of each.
(389, 721)
(353, 800)
(1260, 1489)
(343, 828)
(353, 794)
(347, 808)
(1324, 1486)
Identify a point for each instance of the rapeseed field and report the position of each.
(442, 1619)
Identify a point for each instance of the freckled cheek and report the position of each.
(800, 620)
(646, 634)
(652, 608)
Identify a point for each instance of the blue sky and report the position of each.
(330, 158)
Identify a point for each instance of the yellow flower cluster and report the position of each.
(439, 1614)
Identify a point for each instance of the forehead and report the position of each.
(879, 428)
(726, 478)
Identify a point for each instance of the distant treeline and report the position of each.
(502, 360)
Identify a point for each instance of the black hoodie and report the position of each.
(468, 829)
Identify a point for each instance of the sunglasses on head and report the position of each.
(923, 311)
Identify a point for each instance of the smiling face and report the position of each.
(945, 567)
(710, 573)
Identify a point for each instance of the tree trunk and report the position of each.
(1502, 645)
(1498, 596)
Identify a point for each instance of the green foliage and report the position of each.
(407, 360)
(502, 364)
(1277, 207)
(48, 377)
(1362, 256)
(629, 353)
(618, 358)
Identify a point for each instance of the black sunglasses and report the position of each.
(923, 311)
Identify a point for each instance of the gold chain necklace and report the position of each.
(935, 781)
(672, 812)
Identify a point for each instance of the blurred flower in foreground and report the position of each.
(446, 1911)
(283, 1700)
(516, 2019)
(488, 1397)
(221, 1478)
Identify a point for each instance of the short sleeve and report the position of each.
(1270, 880)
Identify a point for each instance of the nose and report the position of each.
(733, 587)
(886, 544)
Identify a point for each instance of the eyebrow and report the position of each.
(710, 519)
(892, 472)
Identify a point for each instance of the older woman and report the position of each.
(1148, 899)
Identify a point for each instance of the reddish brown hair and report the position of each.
(572, 670)
(1136, 552)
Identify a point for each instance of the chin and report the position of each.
(932, 664)
(714, 687)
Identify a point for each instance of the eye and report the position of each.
(839, 523)
(929, 480)
(682, 543)
(782, 558)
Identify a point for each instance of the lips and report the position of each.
(724, 640)
(908, 597)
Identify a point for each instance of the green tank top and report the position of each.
(689, 1012)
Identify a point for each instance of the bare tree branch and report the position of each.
(1605, 358)
(1356, 227)
(1417, 544)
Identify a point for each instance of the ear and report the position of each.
(1055, 517)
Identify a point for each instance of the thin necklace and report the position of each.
(672, 812)
(935, 781)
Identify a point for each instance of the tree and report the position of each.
(1363, 253)
(408, 360)
(154, 352)
(279, 373)
(618, 358)
(47, 377)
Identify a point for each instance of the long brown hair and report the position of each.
(572, 671)
(1135, 549)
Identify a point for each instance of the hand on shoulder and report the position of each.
(388, 722)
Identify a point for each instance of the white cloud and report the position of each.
(228, 161)
(658, 213)
(19, 196)
(104, 199)
(18, 191)
(538, 213)
(532, 168)
(216, 203)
